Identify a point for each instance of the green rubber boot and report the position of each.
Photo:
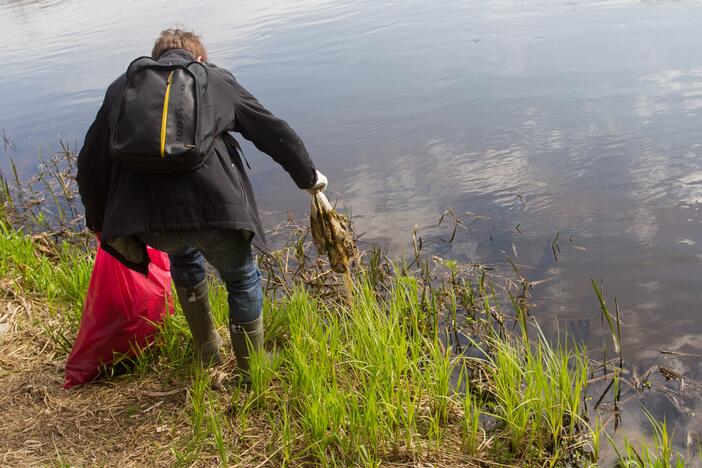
(198, 314)
(246, 337)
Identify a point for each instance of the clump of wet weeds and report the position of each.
(418, 364)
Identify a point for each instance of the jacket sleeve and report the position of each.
(94, 169)
(272, 136)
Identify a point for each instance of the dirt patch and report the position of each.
(95, 424)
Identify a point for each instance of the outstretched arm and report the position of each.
(273, 136)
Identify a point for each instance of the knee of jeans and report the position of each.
(243, 278)
(187, 278)
(187, 268)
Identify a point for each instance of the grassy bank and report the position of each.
(361, 383)
(420, 366)
(377, 380)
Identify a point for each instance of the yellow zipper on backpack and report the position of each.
(164, 117)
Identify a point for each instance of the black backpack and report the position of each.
(165, 121)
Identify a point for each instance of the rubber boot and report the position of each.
(246, 337)
(198, 314)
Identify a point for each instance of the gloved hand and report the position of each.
(320, 185)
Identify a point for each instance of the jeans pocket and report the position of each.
(169, 242)
(215, 240)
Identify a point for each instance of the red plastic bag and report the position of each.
(121, 312)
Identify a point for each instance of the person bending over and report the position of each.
(160, 167)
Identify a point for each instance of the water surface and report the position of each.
(583, 119)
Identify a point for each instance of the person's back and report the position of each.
(206, 213)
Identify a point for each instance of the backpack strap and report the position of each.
(200, 71)
(241, 152)
(231, 142)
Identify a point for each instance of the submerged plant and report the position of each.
(658, 455)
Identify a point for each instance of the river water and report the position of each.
(530, 120)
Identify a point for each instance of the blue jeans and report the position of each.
(229, 252)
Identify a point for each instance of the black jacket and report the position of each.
(121, 203)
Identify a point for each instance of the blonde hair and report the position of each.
(179, 38)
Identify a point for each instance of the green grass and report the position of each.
(59, 274)
(368, 381)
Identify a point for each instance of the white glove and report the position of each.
(320, 185)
